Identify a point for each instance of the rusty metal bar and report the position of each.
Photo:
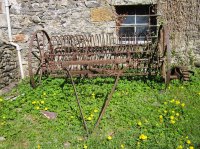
(78, 101)
(107, 101)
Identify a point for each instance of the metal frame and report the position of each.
(97, 55)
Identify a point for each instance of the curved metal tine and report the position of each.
(97, 47)
(96, 41)
(101, 44)
(92, 45)
(79, 41)
(57, 52)
(73, 47)
(87, 45)
(53, 41)
(82, 47)
(66, 46)
(103, 39)
(93, 40)
(56, 43)
(133, 39)
(70, 39)
(69, 46)
(62, 52)
(108, 45)
(62, 42)
(80, 44)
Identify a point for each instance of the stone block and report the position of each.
(2, 7)
(3, 22)
(20, 38)
(92, 4)
(102, 14)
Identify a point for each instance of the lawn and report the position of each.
(142, 114)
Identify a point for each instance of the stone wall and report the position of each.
(98, 16)
(183, 20)
(8, 65)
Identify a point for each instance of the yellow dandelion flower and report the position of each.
(143, 137)
(161, 117)
(172, 101)
(199, 93)
(33, 102)
(183, 105)
(109, 138)
(180, 147)
(92, 115)
(1, 99)
(177, 102)
(191, 147)
(46, 109)
(95, 110)
(177, 114)
(37, 108)
(188, 142)
(42, 101)
(89, 118)
(38, 146)
(71, 117)
(44, 94)
(172, 117)
(172, 121)
(93, 94)
(138, 143)
(4, 117)
(139, 123)
(122, 146)
(165, 111)
(2, 123)
(186, 137)
(173, 112)
(165, 103)
(85, 146)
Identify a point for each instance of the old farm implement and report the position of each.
(98, 55)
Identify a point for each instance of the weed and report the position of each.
(140, 115)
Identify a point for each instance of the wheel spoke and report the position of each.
(38, 70)
(36, 56)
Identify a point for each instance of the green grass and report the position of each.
(140, 115)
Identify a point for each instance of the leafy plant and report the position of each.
(141, 114)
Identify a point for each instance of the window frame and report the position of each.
(137, 39)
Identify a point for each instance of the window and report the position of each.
(137, 22)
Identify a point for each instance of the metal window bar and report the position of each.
(136, 25)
